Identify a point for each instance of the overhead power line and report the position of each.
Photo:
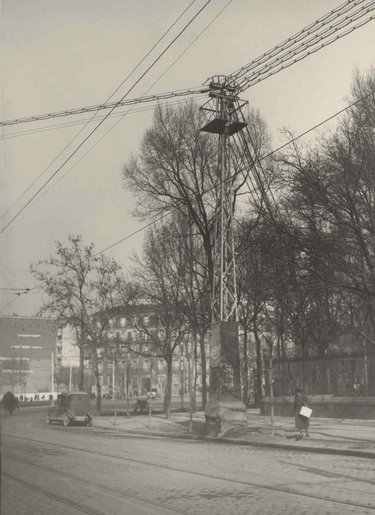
(110, 105)
(299, 55)
(14, 289)
(365, 7)
(7, 305)
(81, 121)
(282, 56)
(254, 162)
(131, 108)
(121, 114)
(108, 114)
(309, 35)
(94, 115)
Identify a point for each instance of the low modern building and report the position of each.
(28, 347)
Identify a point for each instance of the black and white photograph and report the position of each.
(187, 257)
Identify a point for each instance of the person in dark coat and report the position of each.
(302, 423)
(9, 402)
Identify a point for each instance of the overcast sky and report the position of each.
(60, 54)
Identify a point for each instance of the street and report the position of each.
(65, 471)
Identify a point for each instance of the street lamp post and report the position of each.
(52, 376)
(150, 397)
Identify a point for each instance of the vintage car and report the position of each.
(71, 408)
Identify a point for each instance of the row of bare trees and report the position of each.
(305, 254)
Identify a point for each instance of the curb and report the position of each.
(301, 448)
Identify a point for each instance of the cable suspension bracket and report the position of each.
(220, 116)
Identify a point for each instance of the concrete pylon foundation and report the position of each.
(225, 410)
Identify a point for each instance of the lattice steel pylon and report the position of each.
(220, 115)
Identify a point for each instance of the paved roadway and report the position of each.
(77, 470)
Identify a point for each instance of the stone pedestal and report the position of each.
(225, 410)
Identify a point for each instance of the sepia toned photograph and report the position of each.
(187, 257)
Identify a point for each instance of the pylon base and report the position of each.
(225, 410)
(223, 417)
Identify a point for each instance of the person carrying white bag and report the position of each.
(302, 413)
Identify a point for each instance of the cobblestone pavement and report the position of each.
(124, 473)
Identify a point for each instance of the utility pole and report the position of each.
(114, 386)
(225, 409)
(182, 375)
(52, 376)
(150, 397)
(70, 376)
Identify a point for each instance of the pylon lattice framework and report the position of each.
(221, 116)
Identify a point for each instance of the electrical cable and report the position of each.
(261, 158)
(81, 121)
(252, 190)
(14, 289)
(92, 118)
(130, 110)
(109, 105)
(251, 81)
(7, 305)
(245, 142)
(245, 69)
(102, 121)
(306, 32)
(114, 115)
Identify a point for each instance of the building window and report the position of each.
(122, 322)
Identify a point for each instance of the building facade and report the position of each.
(28, 347)
(137, 371)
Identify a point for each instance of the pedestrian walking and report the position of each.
(9, 402)
(302, 423)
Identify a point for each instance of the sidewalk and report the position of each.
(349, 437)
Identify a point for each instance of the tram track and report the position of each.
(108, 489)
(252, 484)
(55, 497)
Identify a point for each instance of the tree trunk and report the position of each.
(168, 389)
(245, 382)
(258, 379)
(81, 368)
(204, 371)
(193, 364)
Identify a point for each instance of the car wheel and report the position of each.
(66, 420)
(48, 420)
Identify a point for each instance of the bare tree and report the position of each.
(160, 271)
(176, 170)
(332, 194)
(81, 288)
